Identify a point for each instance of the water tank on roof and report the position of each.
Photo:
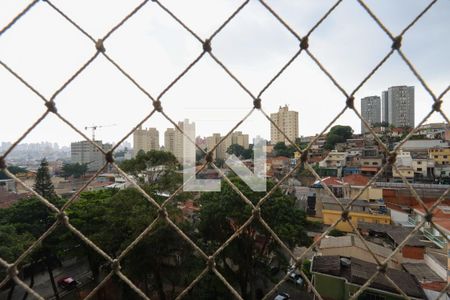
(345, 262)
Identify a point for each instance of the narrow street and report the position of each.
(79, 270)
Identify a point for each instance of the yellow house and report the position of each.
(370, 193)
(406, 171)
(331, 216)
(441, 156)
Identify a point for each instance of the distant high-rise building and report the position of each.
(169, 140)
(370, 111)
(212, 141)
(287, 121)
(180, 151)
(384, 107)
(239, 138)
(398, 106)
(85, 153)
(220, 152)
(145, 140)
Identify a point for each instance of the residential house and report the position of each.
(334, 160)
(371, 161)
(338, 278)
(361, 211)
(392, 236)
(352, 246)
(423, 166)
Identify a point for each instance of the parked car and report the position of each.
(296, 278)
(67, 283)
(282, 296)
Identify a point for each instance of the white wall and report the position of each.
(399, 217)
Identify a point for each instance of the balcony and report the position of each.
(438, 240)
(412, 220)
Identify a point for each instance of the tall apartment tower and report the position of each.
(180, 151)
(370, 111)
(145, 139)
(384, 107)
(85, 153)
(169, 140)
(236, 137)
(398, 106)
(287, 121)
(211, 141)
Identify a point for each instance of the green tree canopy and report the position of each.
(13, 169)
(151, 158)
(240, 151)
(242, 260)
(43, 184)
(76, 170)
(280, 149)
(236, 149)
(338, 134)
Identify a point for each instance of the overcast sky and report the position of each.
(46, 50)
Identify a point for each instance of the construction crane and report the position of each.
(95, 127)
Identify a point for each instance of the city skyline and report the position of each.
(218, 105)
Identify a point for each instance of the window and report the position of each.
(445, 156)
(374, 163)
(419, 169)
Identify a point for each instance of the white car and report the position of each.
(297, 278)
(294, 275)
(282, 296)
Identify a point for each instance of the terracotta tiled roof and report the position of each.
(353, 179)
(356, 179)
(440, 217)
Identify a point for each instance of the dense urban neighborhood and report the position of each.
(337, 206)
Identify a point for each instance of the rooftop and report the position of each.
(353, 241)
(358, 272)
(441, 215)
(353, 179)
(422, 272)
(397, 233)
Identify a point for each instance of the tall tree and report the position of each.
(244, 261)
(43, 184)
(44, 187)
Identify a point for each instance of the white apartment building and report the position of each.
(287, 121)
(145, 140)
(180, 150)
(85, 153)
